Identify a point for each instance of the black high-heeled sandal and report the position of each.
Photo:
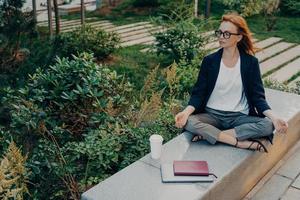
(260, 146)
(196, 138)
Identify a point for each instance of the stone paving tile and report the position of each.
(149, 30)
(273, 189)
(96, 27)
(267, 42)
(291, 168)
(138, 41)
(262, 183)
(291, 194)
(279, 59)
(135, 28)
(90, 23)
(70, 22)
(270, 51)
(296, 183)
(128, 26)
(286, 72)
(138, 36)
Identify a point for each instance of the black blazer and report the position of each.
(251, 79)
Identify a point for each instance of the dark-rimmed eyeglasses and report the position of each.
(225, 34)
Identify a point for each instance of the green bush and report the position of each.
(86, 39)
(176, 9)
(145, 3)
(245, 8)
(58, 106)
(273, 84)
(181, 42)
(15, 27)
(290, 7)
(76, 121)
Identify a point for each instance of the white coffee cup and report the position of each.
(156, 145)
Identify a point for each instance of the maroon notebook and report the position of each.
(190, 168)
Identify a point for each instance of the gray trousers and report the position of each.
(212, 122)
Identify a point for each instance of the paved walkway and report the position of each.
(282, 182)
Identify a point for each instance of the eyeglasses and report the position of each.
(225, 34)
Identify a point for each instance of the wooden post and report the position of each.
(207, 9)
(82, 12)
(57, 24)
(50, 17)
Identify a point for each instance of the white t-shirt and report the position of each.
(228, 93)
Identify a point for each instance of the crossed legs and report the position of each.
(207, 127)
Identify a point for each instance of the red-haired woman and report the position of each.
(228, 102)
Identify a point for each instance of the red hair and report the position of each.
(245, 43)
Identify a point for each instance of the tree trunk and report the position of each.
(82, 12)
(50, 17)
(207, 9)
(196, 8)
(34, 12)
(57, 24)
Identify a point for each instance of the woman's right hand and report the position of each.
(181, 119)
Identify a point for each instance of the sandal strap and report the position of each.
(260, 146)
(236, 143)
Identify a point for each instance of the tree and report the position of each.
(15, 27)
(49, 8)
(207, 9)
(82, 9)
(57, 24)
(196, 8)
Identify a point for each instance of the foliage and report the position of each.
(273, 84)
(145, 3)
(58, 106)
(175, 10)
(290, 7)
(78, 123)
(181, 42)
(270, 11)
(13, 174)
(14, 25)
(86, 39)
(247, 8)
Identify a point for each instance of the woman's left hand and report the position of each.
(280, 125)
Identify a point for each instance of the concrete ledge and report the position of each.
(238, 170)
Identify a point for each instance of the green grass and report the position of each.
(135, 64)
(287, 28)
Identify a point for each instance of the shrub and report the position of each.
(15, 25)
(273, 84)
(290, 7)
(86, 39)
(145, 3)
(61, 105)
(181, 42)
(78, 123)
(13, 174)
(270, 11)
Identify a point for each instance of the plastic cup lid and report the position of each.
(156, 137)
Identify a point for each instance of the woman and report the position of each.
(228, 103)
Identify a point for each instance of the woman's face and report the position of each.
(228, 28)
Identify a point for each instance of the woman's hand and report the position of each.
(181, 119)
(280, 125)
